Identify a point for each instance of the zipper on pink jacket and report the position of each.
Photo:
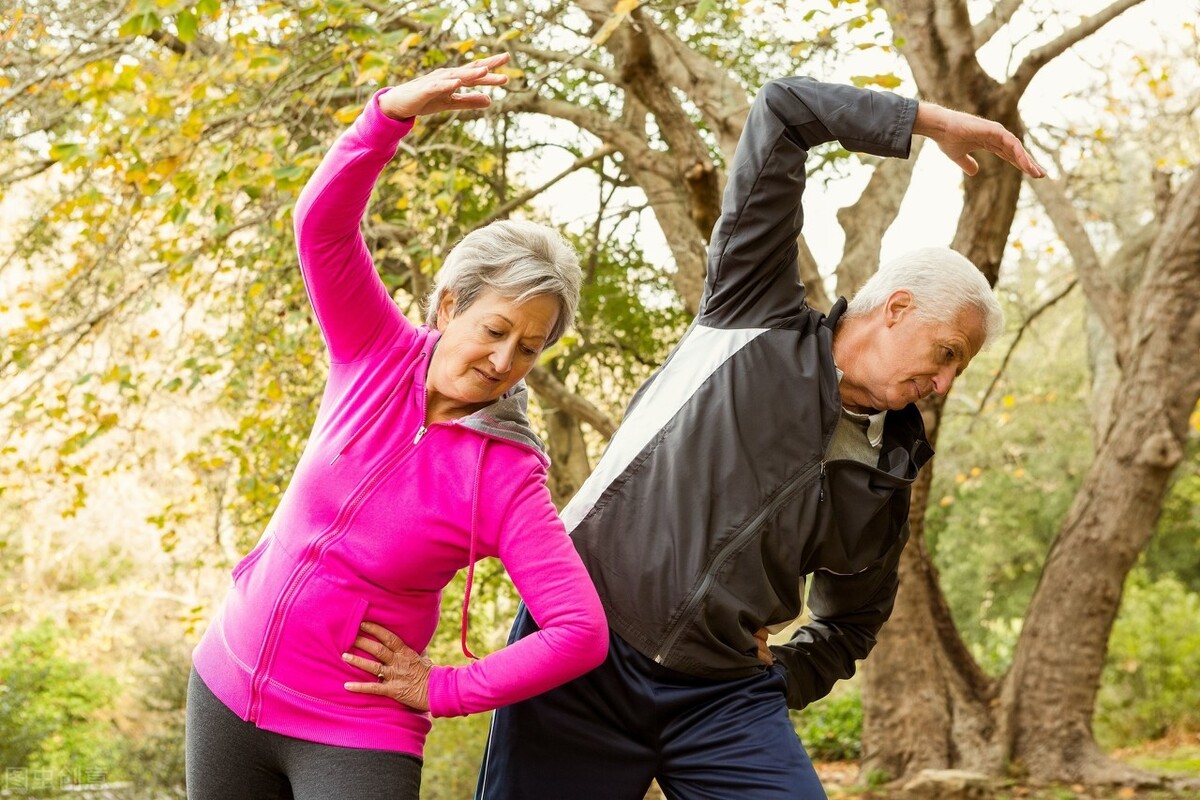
(313, 556)
(357, 434)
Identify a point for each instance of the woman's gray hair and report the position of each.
(517, 260)
(943, 283)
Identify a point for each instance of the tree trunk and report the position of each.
(569, 466)
(926, 703)
(1060, 655)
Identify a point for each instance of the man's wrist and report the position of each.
(930, 120)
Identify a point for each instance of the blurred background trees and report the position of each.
(159, 370)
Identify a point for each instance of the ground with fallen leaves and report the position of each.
(1177, 755)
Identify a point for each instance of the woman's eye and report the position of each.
(529, 351)
(495, 334)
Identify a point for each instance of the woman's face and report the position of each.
(486, 348)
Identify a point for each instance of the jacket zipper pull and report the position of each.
(420, 433)
(335, 458)
(821, 498)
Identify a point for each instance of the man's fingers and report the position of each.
(1030, 167)
(967, 163)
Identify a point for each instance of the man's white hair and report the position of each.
(943, 284)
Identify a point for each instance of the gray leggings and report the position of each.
(228, 757)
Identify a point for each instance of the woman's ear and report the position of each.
(445, 310)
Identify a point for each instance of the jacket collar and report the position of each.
(508, 419)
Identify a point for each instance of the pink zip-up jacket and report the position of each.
(382, 512)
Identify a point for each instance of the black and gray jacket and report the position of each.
(713, 501)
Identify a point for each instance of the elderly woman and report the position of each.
(308, 683)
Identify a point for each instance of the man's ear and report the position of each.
(445, 310)
(898, 303)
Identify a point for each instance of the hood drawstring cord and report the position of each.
(471, 553)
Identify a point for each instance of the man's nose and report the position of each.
(944, 379)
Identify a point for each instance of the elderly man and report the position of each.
(776, 444)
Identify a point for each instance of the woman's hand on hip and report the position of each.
(399, 672)
(440, 90)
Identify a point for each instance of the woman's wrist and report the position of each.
(391, 110)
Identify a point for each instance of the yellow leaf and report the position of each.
(372, 75)
(976, 472)
(347, 114)
(946, 501)
(402, 204)
(511, 33)
(622, 10)
(885, 81)
(274, 393)
(1009, 401)
(1019, 472)
(412, 40)
(464, 46)
(960, 478)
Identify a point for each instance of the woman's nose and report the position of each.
(502, 357)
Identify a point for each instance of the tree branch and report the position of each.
(993, 22)
(810, 276)
(565, 59)
(592, 121)
(1048, 52)
(869, 218)
(26, 171)
(556, 394)
(523, 198)
(1037, 312)
(1107, 300)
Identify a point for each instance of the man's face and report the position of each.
(910, 357)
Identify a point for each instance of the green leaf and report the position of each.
(63, 151)
(187, 26)
(292, 173)
(140, 24)
(703, 9)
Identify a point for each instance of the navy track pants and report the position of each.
(606, 734)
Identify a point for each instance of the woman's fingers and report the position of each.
(365, 664)
(388, 639)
